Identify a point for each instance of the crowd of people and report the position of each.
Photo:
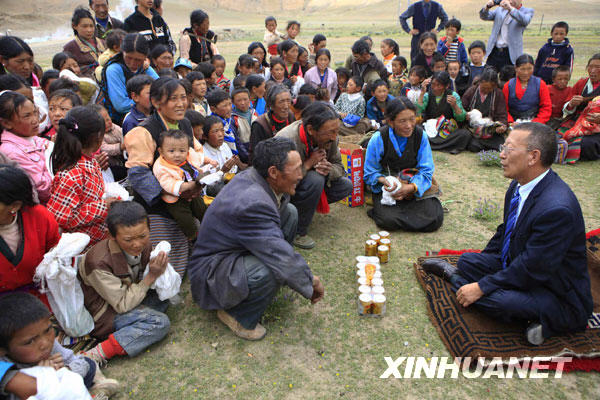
(124, 103)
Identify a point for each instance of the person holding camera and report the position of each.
(506, 40)
(198, 43)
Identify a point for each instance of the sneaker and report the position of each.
(96, 354)
(534, 334)
(304, 242)
(103, 388)
(257, 333)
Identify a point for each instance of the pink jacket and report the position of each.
(29, 153)
(170, 176)
(313, 77)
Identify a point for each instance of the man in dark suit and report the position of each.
(424, 15)
(534, 268)
(243, 252)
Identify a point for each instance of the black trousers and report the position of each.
(408, 215)
(498, 58)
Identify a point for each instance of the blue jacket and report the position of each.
(462, 50)
(373, 112)
(547, 255)
(520, 19)
(550, 56)
(244, 219)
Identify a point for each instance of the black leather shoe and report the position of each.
(439, 267)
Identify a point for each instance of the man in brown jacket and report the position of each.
(324, 177)
(128, 316)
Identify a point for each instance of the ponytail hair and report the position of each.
(135, 43)
(81, 128)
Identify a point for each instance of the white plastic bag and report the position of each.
(57, 276)
(57, 385)
(167, 285)
(387, 198)
(114, 189)
(430, 127)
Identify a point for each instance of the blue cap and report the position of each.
(183, 62)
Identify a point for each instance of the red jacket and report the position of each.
(545, 109)
(39, 231)
(559, 98)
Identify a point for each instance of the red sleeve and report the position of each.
(545, 110)
(505, 92)
(52, 233)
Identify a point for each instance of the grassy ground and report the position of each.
(327, 351)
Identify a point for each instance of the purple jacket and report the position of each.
(313, 77)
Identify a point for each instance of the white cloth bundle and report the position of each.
(57, 385)
(430, 127)
(167, 285)
(114, 189)
(57, 276)
(212, 178)
(476, 119)
(387, 198)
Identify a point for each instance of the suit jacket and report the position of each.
(520, 19)
(244, 219)
(547, 254)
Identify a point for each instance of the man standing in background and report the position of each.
(424, 15)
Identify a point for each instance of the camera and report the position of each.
(497, 2)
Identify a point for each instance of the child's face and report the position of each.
(351, 87)
(278, 72)
(437, 88)
(321, 45)
(33, 343)
(174, 150)
(453, 69)
(558, 35)
(107, 121)
(25, 121)
(451, 32)
(219, 67)
(303, 58)
(477, 55)
(415, 79)
(246, 69)
(182, 71)
(271, 26)
(385, 49)
(216, 135)
(199, 88)
(241, 101)
(439, 66)
(260, 90)
(133, 239)
(58, 107)
(322, 62)
(342, 83)
(397, 68)
(381, 93)
(142, 100)
(293, 31)
(223, 109)
(428, 47)
(198, 132)
(72, 65)
(561, 80)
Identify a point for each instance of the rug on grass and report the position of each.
(467, 332)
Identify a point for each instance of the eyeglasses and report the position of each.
(506, 149)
